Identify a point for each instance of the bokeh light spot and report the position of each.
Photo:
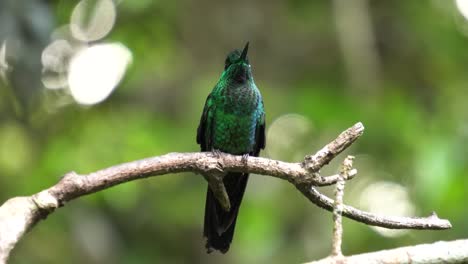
(3, 63)
(92, 20)
(462, 6)
(95, 71)
(387, 198)
(54, 56)
(286, 137)
(55, 59)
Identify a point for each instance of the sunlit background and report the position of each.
(92, 83)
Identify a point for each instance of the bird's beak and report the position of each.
(244, 52)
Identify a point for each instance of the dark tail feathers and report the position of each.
(219, 224)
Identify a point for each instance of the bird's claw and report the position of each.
(216, 153)
(245, 158)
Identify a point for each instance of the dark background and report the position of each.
(400, 67)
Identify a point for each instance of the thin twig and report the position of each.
(392, 222)
(346, 167)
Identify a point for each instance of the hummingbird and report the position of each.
(233, 121)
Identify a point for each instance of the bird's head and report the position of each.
(237, 65)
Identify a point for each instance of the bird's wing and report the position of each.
(204, 128)
(260, 135)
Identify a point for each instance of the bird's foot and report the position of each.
(216, 153)
(245, 158)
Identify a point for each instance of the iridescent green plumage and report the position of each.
(233, 121)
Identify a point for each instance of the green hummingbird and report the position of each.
(233, 121)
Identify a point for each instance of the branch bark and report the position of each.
(20, 214)
(451, 252)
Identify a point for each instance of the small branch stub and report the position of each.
(214, 175)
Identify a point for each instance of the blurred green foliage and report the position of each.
(411, 98)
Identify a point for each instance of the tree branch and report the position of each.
(338, 206)
(393, 222)
(20, 214)
(451, 252)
